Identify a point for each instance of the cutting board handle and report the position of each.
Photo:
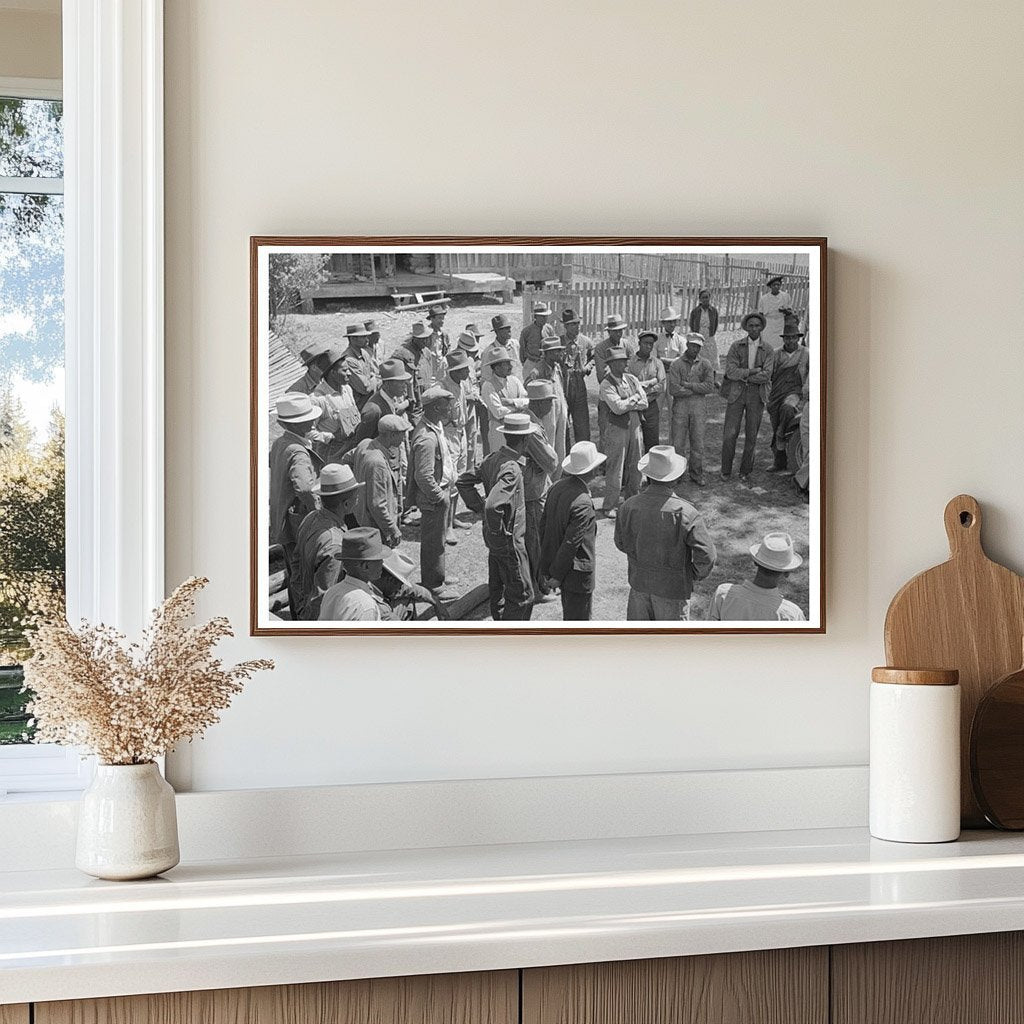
(963, 527)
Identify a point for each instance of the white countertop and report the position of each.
(227, 924)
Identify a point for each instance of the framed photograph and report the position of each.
(537, 435)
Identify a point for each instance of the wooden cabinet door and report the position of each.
(14, 1014)
(482, 998)
(960, 979)
(778, 986)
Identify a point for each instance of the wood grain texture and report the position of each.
(777, 986)
(962, 979)
(997, 752)
(14, 1014)
(967, 614)
(915, 676)
(481, 998)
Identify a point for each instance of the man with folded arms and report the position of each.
(320, 535)
(665, 540)
(760, 599)
(293, 474)
(615, 329)
(433, 475)
(379, 464)
(502, 393)
(503, 508)
(647, 369)
(578, 363)
(624, 400)
(748, 373)
(552, 353)
(531, 336)
(691, 379)
(568, 554)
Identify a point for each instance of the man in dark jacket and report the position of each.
(748, 373)
(568, 555)
(390, 399)
(504, 519)
(411, 352)
(665, 540)
(704, 321)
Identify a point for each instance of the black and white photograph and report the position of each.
(557, 435)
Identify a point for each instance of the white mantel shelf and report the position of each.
(228, 924)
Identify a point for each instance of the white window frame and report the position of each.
(114, 264)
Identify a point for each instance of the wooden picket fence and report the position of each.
(638, 303)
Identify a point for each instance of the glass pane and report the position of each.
(31, 138)
(31, 433)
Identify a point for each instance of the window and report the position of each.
(32, 530)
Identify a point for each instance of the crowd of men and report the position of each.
(369, 446)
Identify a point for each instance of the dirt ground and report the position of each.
(737, 514)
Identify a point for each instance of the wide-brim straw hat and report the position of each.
(776, 552)
(668, 314)
(662, 463)
(336, 479)
(295, 407)
(518, 423)
(582, 458)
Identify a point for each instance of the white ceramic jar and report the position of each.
(127, 823)
(915, 755)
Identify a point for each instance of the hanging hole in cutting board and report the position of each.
(966, 519)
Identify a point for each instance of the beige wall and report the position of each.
(895, 129)
(29, 44)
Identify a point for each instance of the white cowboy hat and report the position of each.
(582, 458)
(663, 463)
(776, 552)
(296, 407)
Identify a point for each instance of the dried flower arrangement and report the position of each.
(128, 704)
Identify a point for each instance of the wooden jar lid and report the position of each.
(916, 676)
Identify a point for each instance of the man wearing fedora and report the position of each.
(314, 359)
(531, 337)
(789, 375)
(704, 321)
(339, 415)
(748, 373)
(319, 537)
(355, 598)
(760, 599)
(691, 379)
(373, 329)
(552, 354)
(773, 303)
(568, 552)
(412, 353)
(379, 464)
(624, 400)
(433, 475)
(542, 465)
(501, 326)
(456, 380)
(665, 541)
(647, 368)
(391, 398)
(442, 342)
(615, 329)
(503, 507)
(668, 348)
(476, 412)
(293, 474)
(502, 392)
(578, 362)
(361, 363)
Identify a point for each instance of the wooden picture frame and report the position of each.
(369, 258)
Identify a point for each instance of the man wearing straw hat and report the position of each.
(503, 508)
(578, 362)
(615, 329)
(748, 374)
(502, 393)
(531, 337)
(568, 553)
(380, 465)
(665, 541)
(624, 400)
(361, 363)
(433, 476)
(760, 599)
(320, 535)
(293, 474)
(691, 379)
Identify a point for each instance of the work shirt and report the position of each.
(747, 602)
(542, 463)
(623, 396)
(508, 349)
(293, 472)
(383, 474)
(689, 377)
(504, 504)
(339, 417)
(649, 372)
(601, 355)
(412, 355)
(318, 540)
(529, 342)
(432, 466)
(363, 370)
(665, 541)
(352, 600)
(579, 355)
(502, 395)
(379, 404)
(669, 347)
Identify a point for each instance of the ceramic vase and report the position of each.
(127, 824)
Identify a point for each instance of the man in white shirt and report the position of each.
(760, 599)
(354, 598)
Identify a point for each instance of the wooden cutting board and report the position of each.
(967, 614)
